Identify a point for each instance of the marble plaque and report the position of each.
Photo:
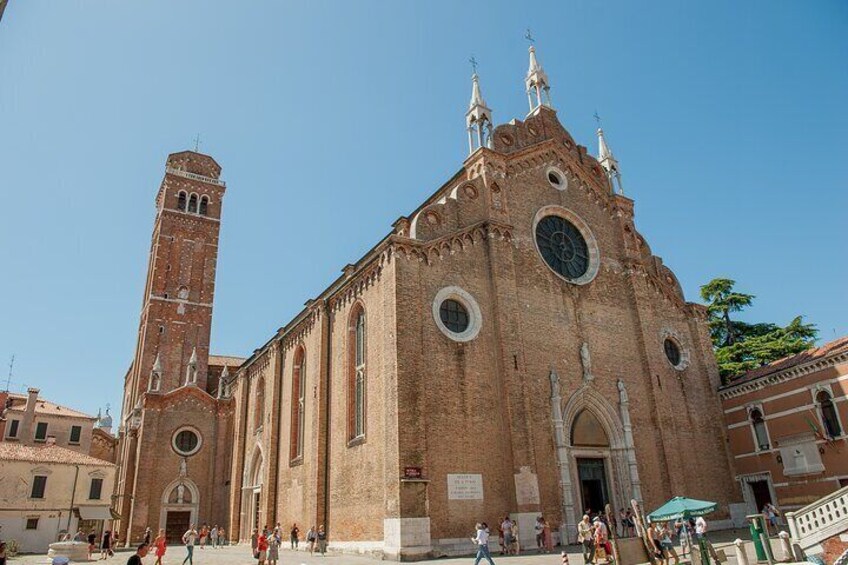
(465, 486)
(526, 487)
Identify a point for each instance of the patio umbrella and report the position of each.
(681, 507)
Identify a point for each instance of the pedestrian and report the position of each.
(654, 537)
(262, 547)
(770, 514)
(631, 523)
(3, 553)
(78, 536)
(310, 539)
(254, 542)
(222, 536)
(506, 528)
(585, 536)
(549, 538)
(189, 538)
(273, 550)
(105, 545)
(204, 535)
(92, 541)
(666, 532)
(501, 536)
(147, 535)
(160, 545)
(601, 538)
(140, 552)
(294, 536)
(516, 543)
(701, 534)
(482, 542)
(322, 540)
(684, 535)
(539, 528)
(213, 536)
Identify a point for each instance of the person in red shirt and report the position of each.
(262, 548)
(161, 544)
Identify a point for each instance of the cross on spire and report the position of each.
(473, 62)
(597, 118)
(196, 143)
(529, 36)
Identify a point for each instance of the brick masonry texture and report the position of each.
(484, 406)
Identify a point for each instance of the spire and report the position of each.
(191, 369)
(478, 118)
(609, 163)
(157, 365)
(222, 383)
(154, 380)
(537, 82)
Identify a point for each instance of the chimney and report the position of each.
(25, 432)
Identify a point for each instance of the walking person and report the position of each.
(482, 542)
(684, 536)
(322, 540)
(92, 541)
(549, 538)
(105, 545)
(222, 536)
(586, 536)
(666, 543)
(213, 536)
(310, 539)
(506, 528)
(539, 528)
(189, 539)
(254, 542)
(204, 535)
(516, 543)
(701, 534)
(160, 545)
(140, 552)
(148, 534)
(262, 547)
(273, 550)
(294, 536)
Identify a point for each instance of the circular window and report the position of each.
(563, 247)
(556, 178)
(186, 441)
(454, 315)
(566, 244)
(672, 352)
(457, 314)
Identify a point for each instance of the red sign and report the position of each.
(412, 472)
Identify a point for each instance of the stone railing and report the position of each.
(820, 520)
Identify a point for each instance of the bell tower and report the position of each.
(172, 347)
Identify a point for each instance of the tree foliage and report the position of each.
(739, 346)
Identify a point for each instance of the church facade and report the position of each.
(512, 346)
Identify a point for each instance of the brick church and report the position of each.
(511, 346)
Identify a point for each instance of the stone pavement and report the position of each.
(240, 555)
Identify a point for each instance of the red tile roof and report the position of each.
(10, 451)
(227, 360)
(834, 347)
(46, 407)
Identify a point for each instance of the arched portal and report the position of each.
(180, 501)
(254, 475)
(595, 453)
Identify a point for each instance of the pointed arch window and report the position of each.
(760, 431)
(192, 204)
(259, 409)
(181, 201)
(298, 404)
(356, 406)
(204, 202)
(827, 410)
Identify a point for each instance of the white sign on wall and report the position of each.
(465, 486)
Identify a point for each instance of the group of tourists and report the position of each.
(593, 535)
(265, 544)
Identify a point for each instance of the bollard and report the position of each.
(741, 556)
(786, 546)
(564, 558)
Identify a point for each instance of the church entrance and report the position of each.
(176, 524)
(593, 483)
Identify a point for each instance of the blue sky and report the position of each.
(331, 120)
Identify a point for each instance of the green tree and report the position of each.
(739, 346)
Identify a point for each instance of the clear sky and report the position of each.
(331, 120)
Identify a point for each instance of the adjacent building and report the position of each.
(513, 345)
(48, 490)
(30, 420)
(786, 423)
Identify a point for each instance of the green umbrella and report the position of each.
(681, 507)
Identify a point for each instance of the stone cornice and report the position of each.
(430, 251)
(733, 391)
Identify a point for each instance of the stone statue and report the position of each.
(622, 392)
(554, 382)
(180, 493)
(183, 470)
(586, 359)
